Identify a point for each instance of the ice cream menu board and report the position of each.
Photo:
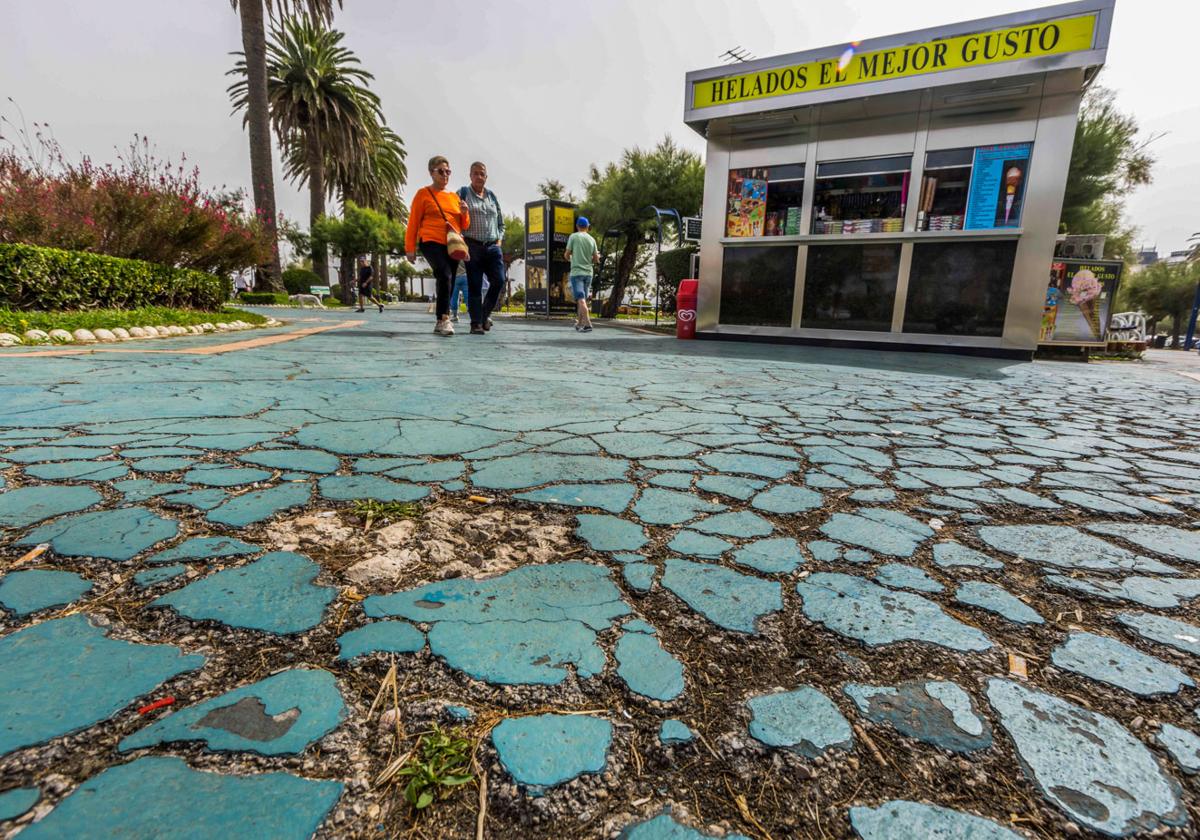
(997, 190)
(1079, 301)
(746, 204)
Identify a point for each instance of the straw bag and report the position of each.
(456, 246)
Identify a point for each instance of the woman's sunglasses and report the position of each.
(442, 171)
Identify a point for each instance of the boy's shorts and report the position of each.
(580, 285)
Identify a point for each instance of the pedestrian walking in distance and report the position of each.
(485, 238)
(583, 253)
(435, 224)
(459, 290)
(366, 275)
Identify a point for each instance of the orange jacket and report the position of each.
(425, 223)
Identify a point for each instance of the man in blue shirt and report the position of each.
(484, 236)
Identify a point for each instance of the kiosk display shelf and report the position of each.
(861, 196)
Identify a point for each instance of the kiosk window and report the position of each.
(943, 199)
(861, 196)
(758, 286)
(850, 287)
(959, 288)
(764, 201)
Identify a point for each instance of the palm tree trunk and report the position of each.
(349, 276)
(254, 44)
(316, 200)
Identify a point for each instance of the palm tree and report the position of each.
(372, 177)
(254, 48)
(319, 104)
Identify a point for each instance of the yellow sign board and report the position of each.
(564, 220)
(535, 221)
(1011, 44)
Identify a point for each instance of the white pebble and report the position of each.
(150, 332)
(105, 335)
(121, 333)
(36, 336)
(138, 332)
(61, 336)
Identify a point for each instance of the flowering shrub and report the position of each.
(142, 208)
(52, 280)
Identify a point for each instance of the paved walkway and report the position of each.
(664, 590)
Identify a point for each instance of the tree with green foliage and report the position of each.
(555, 190)
(620, 195)
(1108, 161)
(1163, 290)
(359, 232)
(258, 114)
(404, 271)
(320, 104)
(513, 245)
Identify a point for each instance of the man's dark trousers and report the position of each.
(486, 258)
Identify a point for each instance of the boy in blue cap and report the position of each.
(583, 253)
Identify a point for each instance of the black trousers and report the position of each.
(487, 258)
(444, 269)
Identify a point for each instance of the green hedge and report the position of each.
(51, 280)
(674, 266)
(263, 297)
(299, 280)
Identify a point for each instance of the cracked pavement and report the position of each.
(718, 590)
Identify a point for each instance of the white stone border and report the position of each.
(117, 334)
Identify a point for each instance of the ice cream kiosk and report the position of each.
(896, 192)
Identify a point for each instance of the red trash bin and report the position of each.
(685, 308)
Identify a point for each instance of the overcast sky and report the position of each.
(536, 89)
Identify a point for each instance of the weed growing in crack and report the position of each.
(373, 510)
(439, 764)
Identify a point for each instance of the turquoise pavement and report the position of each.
(745, 554)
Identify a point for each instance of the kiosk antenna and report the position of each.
(737, 54)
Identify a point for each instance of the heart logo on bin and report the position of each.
(686, 315)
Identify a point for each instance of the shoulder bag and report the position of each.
(456, 246)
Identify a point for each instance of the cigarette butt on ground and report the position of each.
(33, 554)
(1016, 666)
(480, 500)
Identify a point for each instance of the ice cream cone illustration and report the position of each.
(1012, 180)
(1085, 293)
(1091, 311)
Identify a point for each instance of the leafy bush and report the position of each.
(298, 280)
(51, 279)
(517, 297)
(140, 208)
(674, 266)
(251, 298)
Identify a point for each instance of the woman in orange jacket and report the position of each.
(434, 210)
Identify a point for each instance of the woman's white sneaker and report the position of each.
(444, 327)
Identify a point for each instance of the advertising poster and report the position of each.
(1079, 301)
(746, 206)
(558, 284)
(997, 191)
(537, 301)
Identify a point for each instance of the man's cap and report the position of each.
(582, 221)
